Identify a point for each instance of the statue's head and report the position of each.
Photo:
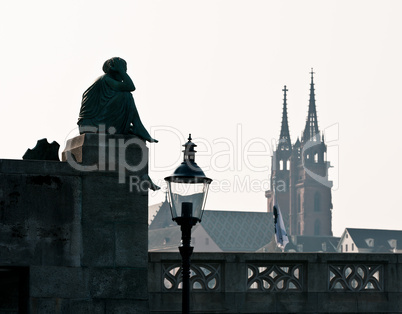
(110, 64)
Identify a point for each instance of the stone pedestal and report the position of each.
(101, 149)
(80, 227)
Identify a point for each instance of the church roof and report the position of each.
(166, 239)
(238, 231)
(160, 216)
(231, 230)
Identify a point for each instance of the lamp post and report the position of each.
(188, 189)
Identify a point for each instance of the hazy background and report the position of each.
(216, 69)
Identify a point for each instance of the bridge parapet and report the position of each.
(279, 283)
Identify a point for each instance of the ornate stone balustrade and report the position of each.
(279, 283)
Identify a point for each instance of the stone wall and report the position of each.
(279, 283)
(81, 236)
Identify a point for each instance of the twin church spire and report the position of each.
(299, 176)
(284, 137)
(311, 130)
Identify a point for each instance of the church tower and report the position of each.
(306, 203)
(281, 167)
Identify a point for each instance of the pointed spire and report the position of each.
(311, 129)
(284, 137)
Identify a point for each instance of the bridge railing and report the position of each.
(279, 283)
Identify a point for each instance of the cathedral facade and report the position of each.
(299, 177)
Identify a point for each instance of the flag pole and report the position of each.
(281, 236)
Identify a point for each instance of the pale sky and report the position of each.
(216, 69)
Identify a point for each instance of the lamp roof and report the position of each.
(188, 171)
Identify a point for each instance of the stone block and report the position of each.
(45, 199)
(40, 219)
(155, 274)
(118, 283)
(58, 282)
(369, 302)
(126, 307)
(100, 152)
(399, 274)
(158, 302)
(206, 302)
(107, 200)
(11, 166)
(90, 306)
(345, 302)
(49, 306)
(296, 302)
(98, 243)
(131, 245)
(394, 302)
(232, 283)
(256, 302)
(318, 277)
(391, 280)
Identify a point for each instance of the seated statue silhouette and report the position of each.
(109, 103)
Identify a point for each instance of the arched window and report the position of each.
(316, 157)
(288, 165)
(317, 227)
(280, 164)
(317, 201)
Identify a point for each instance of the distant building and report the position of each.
(370, 240)
(228, 231)
(219, 231)
(299, 176)
(305, 244)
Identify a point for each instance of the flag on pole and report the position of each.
(281, 236)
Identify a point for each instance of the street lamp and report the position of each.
(188, 189)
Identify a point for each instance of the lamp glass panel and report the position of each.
(194, 193)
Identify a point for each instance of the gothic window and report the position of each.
(316, 157)
(317, 227)
(280, 164)
(288, 165)
(317, 201)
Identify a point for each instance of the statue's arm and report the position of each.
(125, 85)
